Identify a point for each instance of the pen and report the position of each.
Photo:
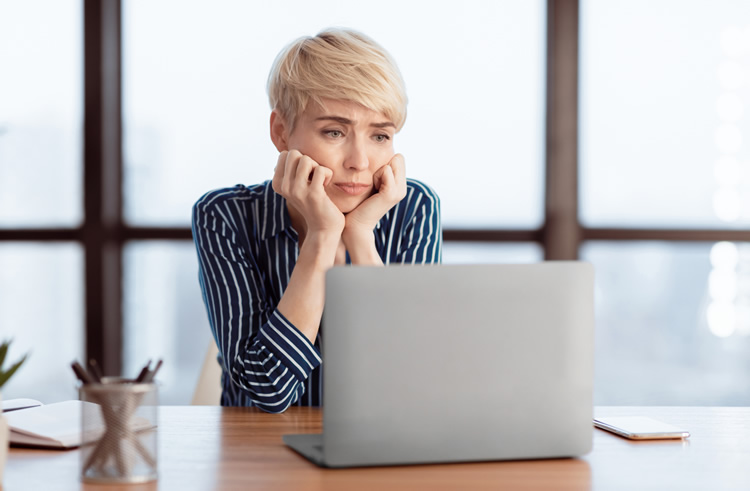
(150, 376)
(95, 371)
(82, 375)
(141, 376)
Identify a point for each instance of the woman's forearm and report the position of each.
(304, 298)
(360, 244)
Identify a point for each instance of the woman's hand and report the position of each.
(302, 181)
(390, 184)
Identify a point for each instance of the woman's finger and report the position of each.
(292, 161)
(328, 174)
(398, 165)
(320, 178)
(377, 177)
(305, 168)
(387, 179)
(278, 173)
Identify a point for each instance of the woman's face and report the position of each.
(349, 139)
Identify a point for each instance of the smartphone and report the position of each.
(640, 428)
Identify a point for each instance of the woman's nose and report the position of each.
(356, 157)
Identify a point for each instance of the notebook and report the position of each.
(455, 363)
(56, 426)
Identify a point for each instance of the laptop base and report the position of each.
(308, 445)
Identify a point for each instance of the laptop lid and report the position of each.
(449, 363)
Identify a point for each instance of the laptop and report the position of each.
(455, 363)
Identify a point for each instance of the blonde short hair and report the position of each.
(338, 64)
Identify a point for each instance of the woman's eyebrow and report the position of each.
(386, 124)
(347, 121)
(337, 119)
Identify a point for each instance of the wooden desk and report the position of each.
(235, 448)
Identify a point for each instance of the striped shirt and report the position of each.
(247, 249)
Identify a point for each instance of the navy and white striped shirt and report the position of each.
(247, 249)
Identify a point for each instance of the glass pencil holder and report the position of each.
(119, 432)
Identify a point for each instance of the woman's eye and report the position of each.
(334, 133)
(382, 138)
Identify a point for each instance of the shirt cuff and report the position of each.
(286, 342)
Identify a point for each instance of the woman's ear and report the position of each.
(279, 133)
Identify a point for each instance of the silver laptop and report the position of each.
(455, 363)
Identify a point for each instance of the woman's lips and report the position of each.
(352, 188)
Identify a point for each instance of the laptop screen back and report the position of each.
(457, 363)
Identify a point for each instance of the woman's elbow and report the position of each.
(275, 402)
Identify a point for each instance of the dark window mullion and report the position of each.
(102, 140)
(490, 235)
(562, 234)
(647, 234)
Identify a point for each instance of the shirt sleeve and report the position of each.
(266, 356)
(422, 234)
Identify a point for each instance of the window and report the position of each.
(673, 322)
(663, 114)
(40, 114)
(652, 189)
(164, 315)
(41, 309)
(195, 115)
(663, 182)
(41, 283)
(196, 110)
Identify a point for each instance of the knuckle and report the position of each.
(308, 161)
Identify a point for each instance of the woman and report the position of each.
(339, 195)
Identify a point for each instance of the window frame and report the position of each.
(104, 234)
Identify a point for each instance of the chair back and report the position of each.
(208, 389)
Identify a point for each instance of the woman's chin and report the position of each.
(347, 206)
(347, 210)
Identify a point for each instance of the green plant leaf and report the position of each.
(4, 376)
(3, 352)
